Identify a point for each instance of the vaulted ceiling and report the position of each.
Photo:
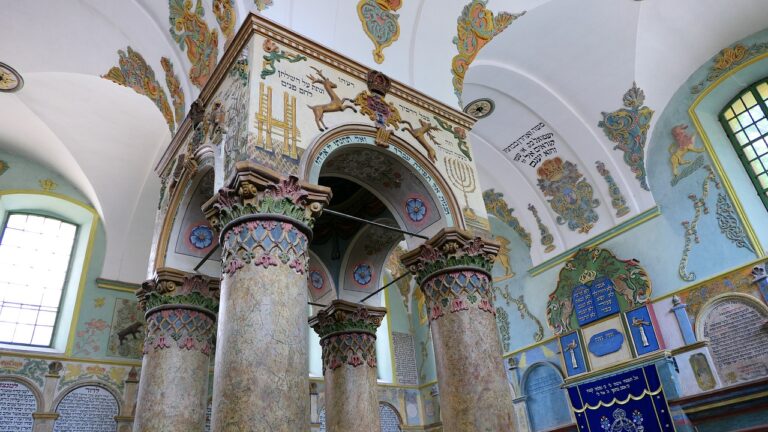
(562, 63)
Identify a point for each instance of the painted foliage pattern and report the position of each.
(380, 23)
(456, 291)
(190, 31)
(34, 369)
(570, 195)
(476, 26)
(631, 283)
(728, 59)
(235, 97)
(226, 17)
(264, 243)
(135, 73)
(183, 328)
(628, 128)
(274, 54)
(618, 202)
(496, 206)
(174, 87)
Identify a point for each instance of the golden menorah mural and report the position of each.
(462, 176)
(286, 128)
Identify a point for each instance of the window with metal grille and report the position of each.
(746, 124)
(35, 257)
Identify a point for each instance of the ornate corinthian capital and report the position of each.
(175, 287)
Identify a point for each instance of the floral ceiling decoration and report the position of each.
(226, 17)
(174, 86)
(628, 128)
(728, 59)
(570, 194)
(262, 4)
(380, 23)
(476, 26)
(134, 72)
(190, 31)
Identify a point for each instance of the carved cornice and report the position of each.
(256, 190)
(175, 287)
(347, 317)
(450, 249)
(257, 24)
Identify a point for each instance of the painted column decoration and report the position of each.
(348, 337)
(265, 222)
(180, 310)
(683, 321)
(454, 272)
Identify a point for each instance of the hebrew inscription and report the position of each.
(405, 358)
(17, 403)
(87, 409)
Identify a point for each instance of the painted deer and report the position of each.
(335, 105)
(419, 133)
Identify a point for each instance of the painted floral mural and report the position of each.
(190, 31)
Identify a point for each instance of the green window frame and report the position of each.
(745, 121)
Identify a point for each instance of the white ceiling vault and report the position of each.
(561, 64)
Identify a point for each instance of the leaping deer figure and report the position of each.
(335, 105)
(419, 135)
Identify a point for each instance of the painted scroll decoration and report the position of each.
(174, 87)
(191, 33)
(496, 205)
(628, 128)
(727, 60)
(135, 73)
(380, 23)
(570, 194)
(226, 17)
(476, 26)
(595, 284)
(274, 54)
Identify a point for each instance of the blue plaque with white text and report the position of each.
(594, 301)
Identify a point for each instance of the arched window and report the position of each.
(35, 261)
(745, 120)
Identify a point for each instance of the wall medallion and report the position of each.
(363, 273)
(480, 108)
(10, 80)
(380, 23)
(570, 194)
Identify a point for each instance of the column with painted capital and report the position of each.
(180, 311)
(348, 336)
(454, 272)
(261, 373)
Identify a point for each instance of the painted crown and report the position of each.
(551, 169)
(378, 83)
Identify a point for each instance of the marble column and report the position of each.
(45, 418)
(454, 272)
(261, 373)
(348, 336)
(180, 310)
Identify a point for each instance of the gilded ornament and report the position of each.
(496, 205)
(476, 26)
(503, 259)
(226, 17)
(48, 185)
(380, 24)
(174, 87)
(547, 239)
(419, 135)
(618, 202)
(727, 60)
(628, 128)
(571, 196)
(191, 33)
(135, 73)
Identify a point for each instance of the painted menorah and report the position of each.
(462, 176)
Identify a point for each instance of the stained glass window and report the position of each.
(35, 256)
(746, 124)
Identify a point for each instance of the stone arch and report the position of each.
(28, 385)
(68, 390)
(363, 136)
(735, 324)
(547, 403)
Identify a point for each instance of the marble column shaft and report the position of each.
(348, 336)
(454, 272)
(181, 322)
(261, 371)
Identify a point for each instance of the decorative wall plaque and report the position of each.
(87, 409)
(605, 342)
(573, 355)
(547, 404)
(17, 403)
(642, 330)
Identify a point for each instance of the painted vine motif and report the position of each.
(476, 26)
(226, 17)
(88, 339)
(547, 239)
(729, 224)
(135, 73)
(274, 54)
(502, 322)
(522, 308)
(690, 228)
(727, 60)
(34, 369)
(631, 284)
(459, 134)
(380, 23)
(496, 205)
(174, 87)
(570, 194)
(191, 33)
(77, 372)
(618, 202)
(628, 128)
